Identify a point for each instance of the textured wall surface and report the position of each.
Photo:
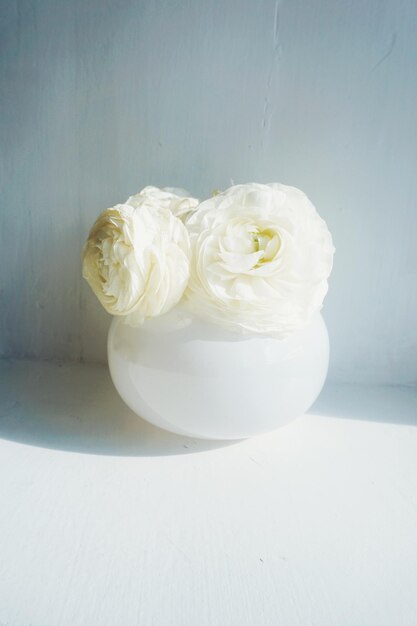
(100, 98)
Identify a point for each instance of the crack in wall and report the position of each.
(276, 53)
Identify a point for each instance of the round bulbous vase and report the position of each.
(197, 379)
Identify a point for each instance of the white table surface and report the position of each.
(107, 521)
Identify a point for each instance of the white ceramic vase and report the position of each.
(197, 379)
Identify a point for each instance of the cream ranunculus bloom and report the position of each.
(136, 260)
(261, 256)
(178, 201)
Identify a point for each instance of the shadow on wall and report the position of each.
(50, 310)
(62, 158)
(75, 408)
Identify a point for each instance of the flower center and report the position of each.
(268, 242)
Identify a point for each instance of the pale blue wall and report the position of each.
(100, 98)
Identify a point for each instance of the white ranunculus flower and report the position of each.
(178, 201)
(137, 261)
(261, 256)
